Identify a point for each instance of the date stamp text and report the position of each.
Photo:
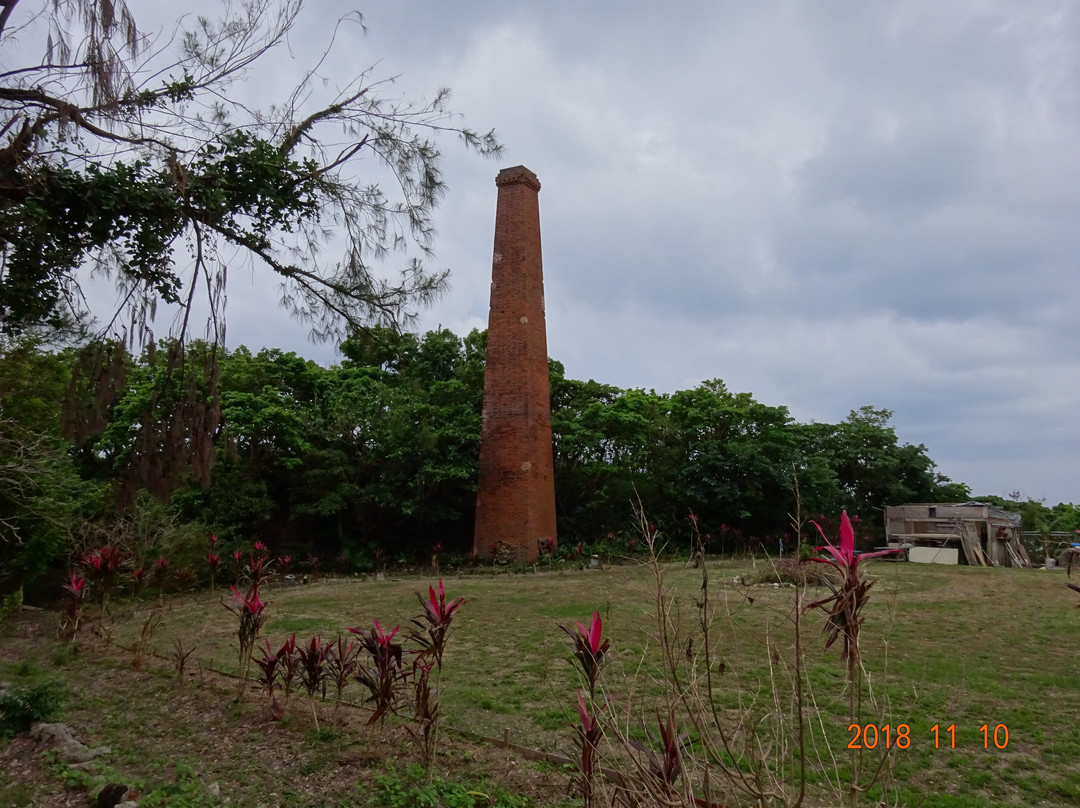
(889, 736)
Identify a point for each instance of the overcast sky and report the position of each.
(826, 204)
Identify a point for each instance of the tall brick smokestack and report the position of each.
(515, 503)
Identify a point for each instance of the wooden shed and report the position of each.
(979, 533)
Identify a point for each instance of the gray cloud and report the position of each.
(825, 204)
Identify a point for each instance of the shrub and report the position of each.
(385, 677)
(28, 704)
(798, 572)
(10, 604)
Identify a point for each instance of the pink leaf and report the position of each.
(825, 561)
(875, 554)
(840, 561)
(845, 555)
(583, 712)
(847, 537)
(594, 637)
(384, 638)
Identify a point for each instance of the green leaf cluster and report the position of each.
(68, 214)
(151, 167)
(41, 492)
(27, 704)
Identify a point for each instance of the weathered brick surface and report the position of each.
(515, 502)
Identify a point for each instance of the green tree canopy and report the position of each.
(379, 453)
(142, 161)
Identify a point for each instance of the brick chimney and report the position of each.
(515, 502)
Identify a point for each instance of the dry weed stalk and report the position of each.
(180, 658)
(699, 755)
(139, 648)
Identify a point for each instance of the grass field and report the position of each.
(952, 647)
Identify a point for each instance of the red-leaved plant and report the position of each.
(269, 665)
(316, 665)
(288, 666)
(138, 579)
(341, 665)
(161, 575)
(432, 627)
(589, 649)
(213, 560)
(385, 677)
(185, 578)
(313, 671)
(238, 566)
(425, 709)
(844, 619)
(588, 738)
(250, 609)
(664, 769)
(76, 590)
(845, 604)
(260, 565)
(430, 631)
(103, 569)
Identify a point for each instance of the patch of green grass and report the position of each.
(323, 735)
(302, 627)
(412, 789)
(940, 800)
(947, 646)
(16, 795)
(978, 778)
(553, 719)
(479, 697)
(187, 791)
(1060, 751)
(314, 765)
(64, 654)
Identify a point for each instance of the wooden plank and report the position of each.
(979, 552)
(1017, 559)
(924, 535)
(972, 549)
(1023, 553)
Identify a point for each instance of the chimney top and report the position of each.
(517, 174)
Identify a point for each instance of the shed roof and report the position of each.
(991, 510)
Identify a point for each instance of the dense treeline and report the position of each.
(374, 460)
